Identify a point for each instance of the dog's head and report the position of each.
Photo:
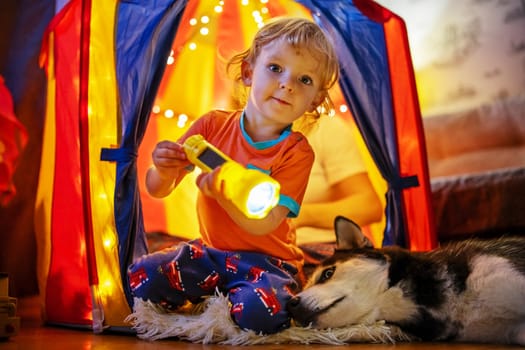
(351, 287)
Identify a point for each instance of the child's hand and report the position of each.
(169, 158)
(211, 184)
(169, 161)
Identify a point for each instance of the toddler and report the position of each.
(287, 71)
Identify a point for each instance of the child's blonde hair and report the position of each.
(298, 32)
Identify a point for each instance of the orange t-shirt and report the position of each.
(287, 159)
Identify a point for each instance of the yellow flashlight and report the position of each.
(252, 191)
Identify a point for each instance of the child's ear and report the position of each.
(246, 73)
(318, 99)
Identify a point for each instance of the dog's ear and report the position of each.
(349, 235)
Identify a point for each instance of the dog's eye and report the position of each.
(326, 274)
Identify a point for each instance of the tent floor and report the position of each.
(33, 335)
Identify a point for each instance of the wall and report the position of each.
(465, 53)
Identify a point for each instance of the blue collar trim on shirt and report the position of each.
(264, 144)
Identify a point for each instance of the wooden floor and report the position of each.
(33, 335)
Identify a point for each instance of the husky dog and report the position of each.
(469, 291)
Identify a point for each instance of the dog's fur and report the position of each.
(472, 291)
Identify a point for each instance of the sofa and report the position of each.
(476, 164)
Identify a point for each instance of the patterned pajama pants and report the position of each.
(258, 285)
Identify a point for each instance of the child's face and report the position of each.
(285, 83)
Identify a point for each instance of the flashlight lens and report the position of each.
(261, 198)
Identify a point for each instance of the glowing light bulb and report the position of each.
(182, 120)
(169, 113)
(261, 197)
(108, 243)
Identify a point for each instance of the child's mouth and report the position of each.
(283, 102)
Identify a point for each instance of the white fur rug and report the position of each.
(210, 323)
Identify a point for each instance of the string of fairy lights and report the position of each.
(201, 27)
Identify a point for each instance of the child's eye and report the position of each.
(306, 80)
(275, 68)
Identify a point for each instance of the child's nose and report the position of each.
(283, 86)
(287, 84)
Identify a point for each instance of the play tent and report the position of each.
(105, 62)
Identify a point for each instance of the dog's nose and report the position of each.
(299, 313)
(293, 303)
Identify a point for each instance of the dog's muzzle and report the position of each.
(305, 316)
(302, 315)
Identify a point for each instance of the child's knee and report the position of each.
(154, 277)
(259, 309)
